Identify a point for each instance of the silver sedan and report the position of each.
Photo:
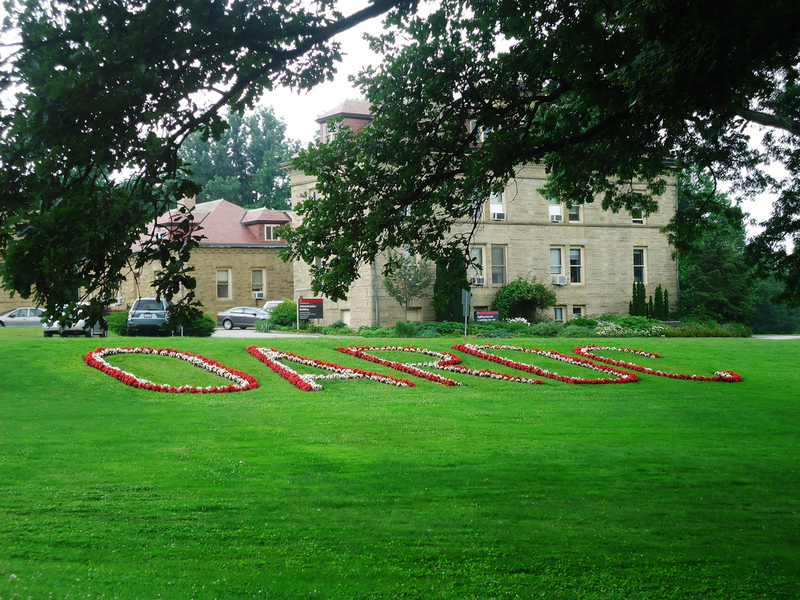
(28, 316)
(241, 316)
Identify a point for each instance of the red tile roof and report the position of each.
(222, 223)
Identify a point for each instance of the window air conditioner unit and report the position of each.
(478, 280)
(498, 216)
(556, 218)
(258, 295)
(559, 279)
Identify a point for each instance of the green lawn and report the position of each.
(656, 489)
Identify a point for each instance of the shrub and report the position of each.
(118, 322)
(545, 329)
(522, 298)
(403, 329)
(197, 325)
(285, 313)
(429, 332)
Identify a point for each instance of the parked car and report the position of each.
(241, 316)
(270, 304)
(50, 328)
(28, 316)
(148, 315)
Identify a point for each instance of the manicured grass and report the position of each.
(657, 489)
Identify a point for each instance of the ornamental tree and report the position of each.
(603, 93)
(105, 92)
(409, 279)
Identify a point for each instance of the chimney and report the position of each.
(187, 203)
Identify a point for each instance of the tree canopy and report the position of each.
(715, 280)
(602, 92)
(244, 165)
(105, 92)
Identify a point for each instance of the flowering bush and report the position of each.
(610, 329)
(239, 381)
(618, 376)
(308, 382)
(589, 352)
(446, 361)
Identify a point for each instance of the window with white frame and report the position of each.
(556, 262)
(476, 268)
(556, 216)
(257, 279)
(639, 265)
(270, 232)
(575, 265)
(637, 216)
(223, 284)
(499, 265)
(497, 209)
(574, 213)
(558, 314)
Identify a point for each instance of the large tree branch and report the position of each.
(769, 120)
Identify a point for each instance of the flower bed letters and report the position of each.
(308, 382)
(589, 352)
(239, 381)
(444, 360)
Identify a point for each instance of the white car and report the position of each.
(80, 328)
(270, 304)
(21, 317)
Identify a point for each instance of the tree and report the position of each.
(601, 92)
(244, 165)
(410, 279)
(106, 91)
(770, 316)
(522, 298)
(716, 281)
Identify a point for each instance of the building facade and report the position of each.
(237, 262)
(590, 257)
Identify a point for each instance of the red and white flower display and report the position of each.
(589, 352)
(445, 360)
(617, 375)
(308, 382)
(239, 381)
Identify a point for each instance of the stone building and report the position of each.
(236, 262)
(589, 256)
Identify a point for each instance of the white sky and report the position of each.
(299, 110)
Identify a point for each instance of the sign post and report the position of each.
(309, 308)
(466, 299)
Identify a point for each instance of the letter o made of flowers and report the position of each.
(239, 381)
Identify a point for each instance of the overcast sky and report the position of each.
(299, 111)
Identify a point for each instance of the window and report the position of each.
(575, 265)
(577, 311)
(257, 277)
(555, 261)
(476, 270)
(637, 216)
(574, 215)
(497, 210)
(555, 211)
(558, 314)
(270, 233)
(499, 265)
(638, 265)
(223, 284)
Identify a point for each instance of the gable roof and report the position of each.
(225, 224)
